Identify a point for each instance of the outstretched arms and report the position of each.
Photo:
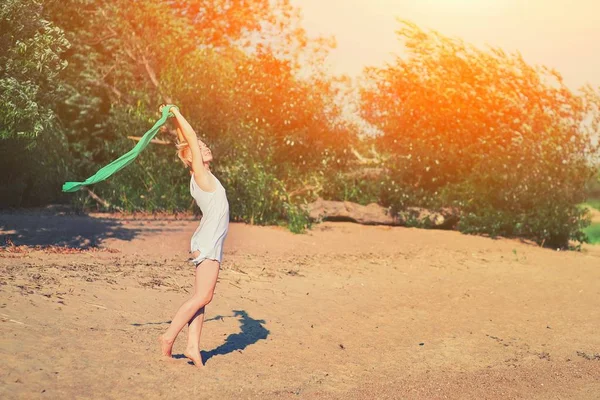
(186, 133)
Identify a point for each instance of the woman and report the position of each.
(206, 243)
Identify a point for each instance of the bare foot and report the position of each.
(166, 346)
(194, 355)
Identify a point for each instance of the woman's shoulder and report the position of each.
(205, 181)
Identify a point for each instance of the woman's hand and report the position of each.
(172, 108)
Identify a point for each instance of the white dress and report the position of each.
(210, 234)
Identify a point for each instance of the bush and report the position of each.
(266, 120)
(31, 50)
(350, 186)
(256, 195)
(507, 144)
(297, 217)
(33, 171)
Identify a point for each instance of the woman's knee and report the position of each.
(200, 300)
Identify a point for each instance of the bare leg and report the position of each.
(192, 350)
(206, 279)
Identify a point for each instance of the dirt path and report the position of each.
(344, 312)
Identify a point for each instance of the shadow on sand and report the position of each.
(251, 331)
(53, 229)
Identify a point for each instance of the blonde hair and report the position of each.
(185, 154)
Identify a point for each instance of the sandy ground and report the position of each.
(343, 312)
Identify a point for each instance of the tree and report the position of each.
(32, 151)
(31, 49)
(244, 73)
(506, 142)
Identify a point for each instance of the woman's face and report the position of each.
(206, 153)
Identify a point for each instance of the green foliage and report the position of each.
(346, 186)
(267, 127)
(297, 218)
(31, 49)
(256, 195)
(593, 203)
(503, 142)
(592, 233)
(150, 184)
(553, 222)
(32, 170)
(479, 131)
(33, 155)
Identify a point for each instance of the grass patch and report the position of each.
(593, 233)
(592, 203)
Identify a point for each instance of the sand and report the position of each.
(342, 312)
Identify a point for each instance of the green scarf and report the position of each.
(121, 162)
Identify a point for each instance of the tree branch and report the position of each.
(102, 39)
(100, 200)
(155, 141)
(154, 79)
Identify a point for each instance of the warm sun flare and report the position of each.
(560, 34)
(251, 212)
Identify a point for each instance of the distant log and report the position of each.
(374, 214)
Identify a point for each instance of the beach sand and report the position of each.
(342, 312)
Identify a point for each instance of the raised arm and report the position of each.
(180, 137)
(189, 135)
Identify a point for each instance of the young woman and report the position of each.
(206, 243)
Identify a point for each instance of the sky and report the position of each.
(560, 34)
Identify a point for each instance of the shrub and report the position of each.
(506, 143)
(33, 171)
